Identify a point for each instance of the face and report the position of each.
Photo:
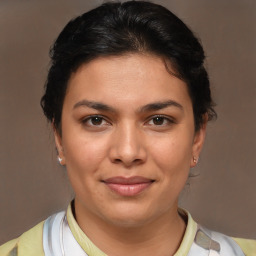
(128, 138)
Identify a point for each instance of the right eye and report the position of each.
(95, 121)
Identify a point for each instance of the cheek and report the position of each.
(172, 154)
(84, 157)
(84, 154)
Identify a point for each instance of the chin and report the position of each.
(129, 217)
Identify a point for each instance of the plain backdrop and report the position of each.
(33, 186)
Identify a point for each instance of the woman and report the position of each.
(129, 99)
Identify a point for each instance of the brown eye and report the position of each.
(158, 120)
(161, 121)
(96, 120)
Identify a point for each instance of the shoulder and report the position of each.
(28, 244)
(8, 247)
(247, 245)
(199, 240)
(223, 244)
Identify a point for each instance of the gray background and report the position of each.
(33, 186)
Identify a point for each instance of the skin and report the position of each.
(128, 139)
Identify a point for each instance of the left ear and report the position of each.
(198, 144)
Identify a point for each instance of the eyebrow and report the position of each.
(94, 105)
(147, 108)
(160, 105)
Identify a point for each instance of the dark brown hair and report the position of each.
(118, 28)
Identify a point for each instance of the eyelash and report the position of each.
(165, 118)
(85, 121)
(103, 119)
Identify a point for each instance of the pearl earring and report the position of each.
(195, 159)
(60, 160)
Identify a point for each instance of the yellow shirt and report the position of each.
(30, 243)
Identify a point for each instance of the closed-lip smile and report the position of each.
(128, 186)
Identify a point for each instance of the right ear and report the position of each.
(58, 143)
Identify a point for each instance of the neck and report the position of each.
(161, 236)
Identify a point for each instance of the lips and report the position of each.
(131, 186)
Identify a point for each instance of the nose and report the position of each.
(127, 146)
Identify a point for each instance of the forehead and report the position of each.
(132, 78)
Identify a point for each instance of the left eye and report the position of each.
(160, 121)
(96, 120)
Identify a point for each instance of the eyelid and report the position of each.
(87, 118)
(171, 120)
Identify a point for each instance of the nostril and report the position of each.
(128, 163)
(117, 160)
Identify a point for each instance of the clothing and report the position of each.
(61, 235)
